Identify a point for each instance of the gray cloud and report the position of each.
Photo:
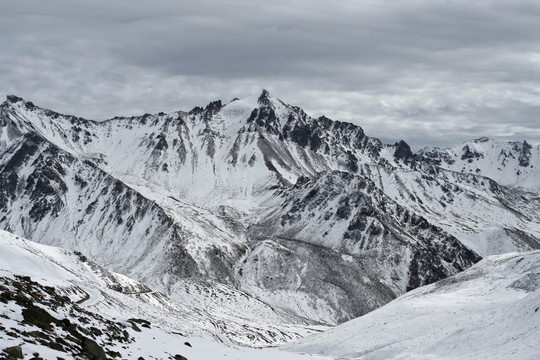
(428, 71)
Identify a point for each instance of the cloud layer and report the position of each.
(428, 71)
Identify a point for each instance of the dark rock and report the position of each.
(344, 210)
(114, 354)
(142, 322)
(92, 350)
(403, 151)
(95, 331)
(135, 327)
(470, 154)
(56, 346)
(13, 98)
(179, 357)
(315, 142)
(81, 257)
(196, 110)
(27, 150)
(265, 118)
(162, 143)
(301, 134)
(359, 223)
(214, 107)
(187, 344)
(38, 317)
(525, 155)
(352, 162)
(14, 352)
(264, 98)
(36, 334)
(183, 264)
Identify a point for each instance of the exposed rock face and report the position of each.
(403, 151)
(38, 303)
(92, 350)
(525, 155)
(470, 155)
(360, 241)
(14, 352)
(514, 164)
(257, 198)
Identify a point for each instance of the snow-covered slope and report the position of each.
(488, 218)
(514, 163)
(490, 311)
(42, 286)
(365, 249)
(208, 205)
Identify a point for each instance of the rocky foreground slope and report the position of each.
(59, 305)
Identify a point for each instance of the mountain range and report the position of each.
(267, 224)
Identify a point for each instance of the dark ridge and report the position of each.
(196, 110)
(14, 99)
(264, 99)
(214, 107)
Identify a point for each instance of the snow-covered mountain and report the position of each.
(252, 207)
(490, 311)
(515, 164)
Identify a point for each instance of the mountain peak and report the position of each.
(403, 151)
(264, 98)
(13, 98)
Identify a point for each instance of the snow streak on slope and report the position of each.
(490, 311)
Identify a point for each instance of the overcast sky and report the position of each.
(426, 71)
